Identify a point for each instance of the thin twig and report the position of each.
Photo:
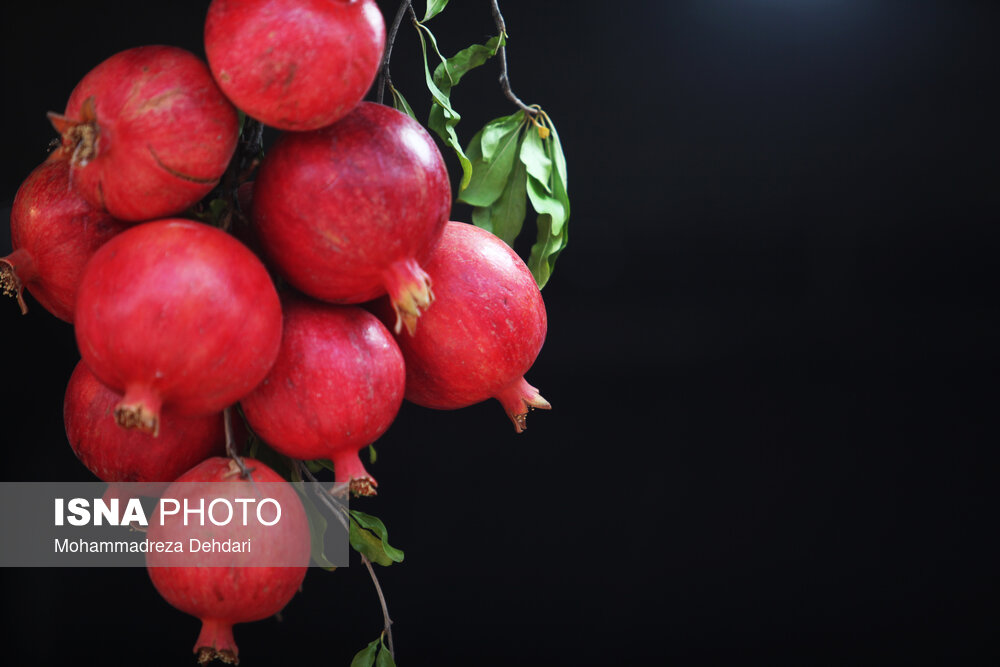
(227, 421)
(504, 77)
(384, 77)
(385, 609)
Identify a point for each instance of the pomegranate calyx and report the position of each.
(409, 289)
(363, 486)
(140, 408)
(207, 654)
(518, 399)
(15, 269)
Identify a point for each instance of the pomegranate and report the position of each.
(147, 132)
(345, 213)
(176, 312)
(224, 588)
(115, 454)
(294, 64)
(484, 332)
(336, 387)
(54, 232)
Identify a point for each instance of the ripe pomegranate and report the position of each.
(54, 232)
(115, 454)
(147, 132)
(345, 213)
(484, 332)
(294, 64)
(222, 589)
(180, 313)
(335, 388)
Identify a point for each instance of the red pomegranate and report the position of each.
(294, 64)
(54, 232)
(335, 388)
(224, 588)
(346, 213)
(484, 331)
(148, 133)
(179, 313)
(115, 454)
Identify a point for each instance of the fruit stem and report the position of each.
(409, 289)
(215, 642)
(517, 399)
(140, 408)
(16, 269)
(348, 469)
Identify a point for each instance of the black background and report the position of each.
(771, 352)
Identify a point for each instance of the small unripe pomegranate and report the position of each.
(54, 231)
(147, 133)
(179, 313)
(484, 331)
(294, 64)
(335, 388)
(225, 588)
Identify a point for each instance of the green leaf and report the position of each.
(370, 538)
(558, 159)
(550, 200)
(536, 159)
(495, 131)
(317, 526)
(384, 658)
(506, 216)
(443, 118)
(366, 656)
(489, 177)
(451, 70)
(400, 104)
(319, 464)
(434, 8)
(372, 454)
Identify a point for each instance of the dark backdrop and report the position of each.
(772, 355)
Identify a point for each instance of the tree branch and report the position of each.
(383, 76)
(504, 77)
(385, 610)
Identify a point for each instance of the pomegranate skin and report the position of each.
(294, 64)
(115, 454)
(179, 313)
(148, 133)
(335, 388)
(346, 213)
(54, 232)
(221, 593)
(484, 332)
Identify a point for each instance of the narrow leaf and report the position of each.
(489, 177)
(317, 527)
(434, 8)
(536, 159)
(505, 217)
(366, 656)
(451, 70)
(443, 117)
(400, 104)
(495, 130)
(384, 658)
(370, 537)
(552, 205)
(372, 454)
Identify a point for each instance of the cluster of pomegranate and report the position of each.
(176, 320)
